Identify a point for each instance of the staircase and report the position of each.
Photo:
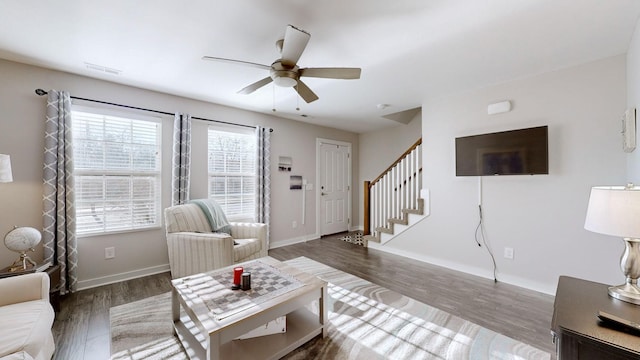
(395, 201)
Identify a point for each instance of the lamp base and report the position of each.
(626, 292)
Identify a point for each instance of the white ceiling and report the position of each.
(409, 50)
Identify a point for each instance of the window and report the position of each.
(232, 172)
(116, 172)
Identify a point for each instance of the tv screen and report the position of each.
(514, 152)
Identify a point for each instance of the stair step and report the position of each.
(368, 238)
(418, 211)
(403, 221)
(384, 230)
(413, 211)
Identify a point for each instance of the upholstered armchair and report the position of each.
(195, 248)
(26, 317)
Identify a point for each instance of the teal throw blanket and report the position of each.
(214, 213)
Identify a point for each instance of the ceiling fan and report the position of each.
(285, 71)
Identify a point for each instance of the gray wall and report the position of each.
(143, 252)
(379, 149)
(633, 100)
(541, 217)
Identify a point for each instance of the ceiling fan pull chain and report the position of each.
(273, 88)
(297, 98)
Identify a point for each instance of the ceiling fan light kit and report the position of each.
(285, 81)
(285, 71)
(282, 76)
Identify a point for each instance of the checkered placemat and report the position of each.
(267, 282)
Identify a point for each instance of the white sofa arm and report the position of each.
(22, 288)
(192, 253)
(243, 230)
(22, 355)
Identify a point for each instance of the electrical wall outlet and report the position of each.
(294, 224)
(508, 253)
(109, 252)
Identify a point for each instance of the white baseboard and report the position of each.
(301, 239)
(484, 273)
(106, 280)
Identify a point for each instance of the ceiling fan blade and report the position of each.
(238, 62)
(305, 92)
(255, 86)
(331, 73)
(295, 41)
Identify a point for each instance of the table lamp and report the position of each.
(615, 211)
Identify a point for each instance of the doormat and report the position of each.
(354, 238)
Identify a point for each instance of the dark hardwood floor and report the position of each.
(519, 313)
(81, 328)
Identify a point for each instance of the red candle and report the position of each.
(237, 275)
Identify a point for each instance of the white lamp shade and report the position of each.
(5, 168)
(615, 211)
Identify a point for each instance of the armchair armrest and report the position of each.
(192, 253)
(22, 355)
(244, 230)
(22, 288)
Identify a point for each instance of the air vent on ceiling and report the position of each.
(103, 69)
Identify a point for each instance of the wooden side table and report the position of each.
(54, 286)
(54, 282)
(576, 330)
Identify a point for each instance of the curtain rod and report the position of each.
(41, 92)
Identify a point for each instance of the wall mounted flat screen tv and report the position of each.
(514, 152)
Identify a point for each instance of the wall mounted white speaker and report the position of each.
(497, 108)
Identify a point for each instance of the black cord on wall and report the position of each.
(480, 233)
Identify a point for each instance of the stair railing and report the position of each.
(395, 189)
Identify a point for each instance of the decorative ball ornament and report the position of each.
(22, 240)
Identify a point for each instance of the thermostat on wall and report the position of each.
(629, 130)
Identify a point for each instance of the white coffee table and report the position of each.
(206, 335)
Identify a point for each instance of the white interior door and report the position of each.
(334, 186)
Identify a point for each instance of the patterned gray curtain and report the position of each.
(181, 159)
(59, 228)
(263, 180)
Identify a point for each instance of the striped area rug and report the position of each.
(366, 321)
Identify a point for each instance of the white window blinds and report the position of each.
(116, 172)
(232, 172)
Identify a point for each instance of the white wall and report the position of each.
(138, 253)
(542, 216)
(633, 100)
(379, 149)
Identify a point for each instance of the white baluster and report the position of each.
(394, 176)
